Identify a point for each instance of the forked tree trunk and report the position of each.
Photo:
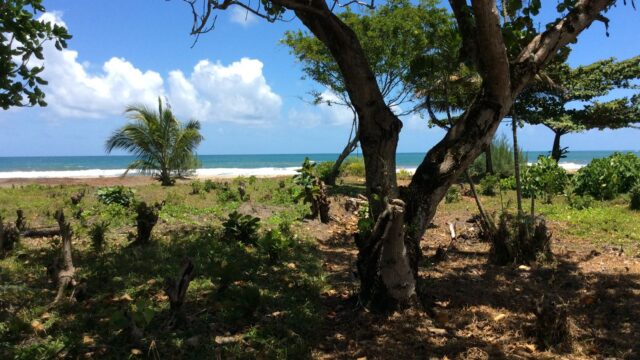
(402, 227)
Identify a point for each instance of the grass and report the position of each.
(605, 222)
(270, 307)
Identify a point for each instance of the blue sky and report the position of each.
(238, 80)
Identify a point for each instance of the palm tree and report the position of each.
(162, 145)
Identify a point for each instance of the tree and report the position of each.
(507, 59)
(21, 39)
(554, 103)
(161, 144)
(393, 36)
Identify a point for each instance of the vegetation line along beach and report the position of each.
(319, 180)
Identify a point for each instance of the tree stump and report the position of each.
(385, 273)
(322, 203)
(9, 236)
(552, 323)
(21, 223)
(146, 219)
(65, 275)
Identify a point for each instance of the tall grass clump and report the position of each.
(502, 158)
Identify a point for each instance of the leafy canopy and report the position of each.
(392, 36)
(21, 39)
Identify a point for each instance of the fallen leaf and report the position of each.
(136, 352)
(499, 317)
(524, 267)
(291, 266)
(125, 297)
(37, 326)
(221, 340)
(530, 347)
(88, 340)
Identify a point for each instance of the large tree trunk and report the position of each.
(556, 151)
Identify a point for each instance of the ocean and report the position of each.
(219, 165)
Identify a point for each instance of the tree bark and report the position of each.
(335, 170)
(556, 151)
(66, 275)
(488, 160)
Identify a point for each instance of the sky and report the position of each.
(238, 80)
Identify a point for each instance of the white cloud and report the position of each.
(304, 118)
(212, 92)
(242, 16)
(329, 112)
(235, 93)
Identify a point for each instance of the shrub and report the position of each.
(353, 167)
(242, 228)
(365, 221)
(579, 202)
(323, 170)
(274, 243)
(605, 178)
(502, 159)
(97, 233)
(209, 185)
(404, 174)
(146, 219)
(453, 195)
(488, 185)
(508, 183)
(119, 194)
(196, 187)
(226, 193)
(545, 177)
(520, 240)
(634, 194)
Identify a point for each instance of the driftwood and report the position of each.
(66, 274)
(176, 289)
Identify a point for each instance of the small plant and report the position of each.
(196, 187)
(488, 185)
(546, 178)
(274, 243)
(313, 191)
(353, 167)
(323, 170)
(453, 195)
(120, 195)
(634, 195)
(404, 174)
(520, 240)
(209, 185)
(227, 194)
(97, 233)
(365, 221)
(579, 202)
(242, 228)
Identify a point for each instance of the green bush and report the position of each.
(323, 170)
(579, 202)
(453, 195)
(226, 193)
(502, 159)
(488, 185)
(209, 185)
(241, 228)
(508, 183)
(196, 187)
(607, 177)
(545, 177)
(119, 194)
(634, 194)
(274, 243)
(353, 167)
(404, 174)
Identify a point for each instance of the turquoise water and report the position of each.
(71, 163)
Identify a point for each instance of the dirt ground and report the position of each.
(475, 310)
